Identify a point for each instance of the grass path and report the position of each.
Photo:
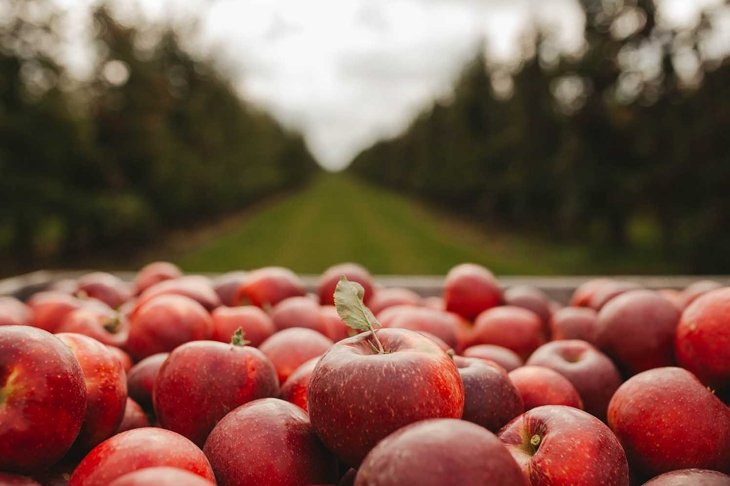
(338, 219)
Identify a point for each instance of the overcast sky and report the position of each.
(349, 72)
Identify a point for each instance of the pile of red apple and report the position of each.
(247, 379)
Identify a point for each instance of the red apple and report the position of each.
(354, 272)
(555, 444)
(122, 356)
(389, 297)
(636, 329)
(437, 452)
(666, 419)
(14, 312)
(50, 308)
(15, 480)
(490, 398)
(702, 341)
(609, 291)
(154, 273)
(584, 292)
(514, 328)
(161, 476)
(268, 286)
(697, 289)
(226, 286)
(530, 298)
(164, 323)
(358, 395)
(298, 312)
(254, 322)
(268, 442)
(134, 417)
(506, 358)
(441, 324)
(139, 449)
(195, 287)
(141, 379)
(106, 389)
(434, 302)
(591, 372)
(337, 330)
(104, 325)
(693, 477)
(574, 323)
(290, 348)
(108, 288)
(42, 399)
(471, 289)
(676, 297)
(540, 386)
(295, 388)
(216, 378)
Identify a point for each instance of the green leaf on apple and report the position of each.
(352, 310)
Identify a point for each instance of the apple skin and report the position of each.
(166, 322)
(506, 358)
(584, 292)
(697, 289)
(15, 480)
(268, 286)
(636, 329)
(357, 397)
(122, 356)
(437, 452)
(574, 448)
(298, 312)
(609, 291)
(195, 287)
(290, 348)
(161, 476)
(14, 312)
(702, 342)
(215, 378)
(590, 371)
(268, 442)
(354, 273)
(50, 308)
(337, 330)
(514, 328)
(141, 379)
(666, 419)
(154, 273)
(693, 477)
(138, 449)
(540, 386)
(105, 287)
(295, 388)
(574, 323)
(490, 398)
(530, 298)
(441, 324)
(227, 285)
(104, 325)
(254, 322)
(106, 390)
(42, 399)
(470, 289)
(389, 297)
(134, 417)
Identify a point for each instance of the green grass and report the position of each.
(337, 219)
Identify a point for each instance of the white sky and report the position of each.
(349, 72)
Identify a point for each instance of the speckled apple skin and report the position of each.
(200, 382)
(106, 390)
(254, 322)
(268, 442)
(702, 342)
(437, 452)
(356, 398)
(666, 419)
(296, 387)
(540, 386)
(576, 448)
(490, 398)
(139, 449)
(42, 399)
(161, 476)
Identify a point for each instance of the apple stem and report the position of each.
(239, 339)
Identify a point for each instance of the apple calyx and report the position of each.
(352, 310)
(239, 338)
(112, 324)
(535, 441)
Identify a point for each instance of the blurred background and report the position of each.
(534, 137)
